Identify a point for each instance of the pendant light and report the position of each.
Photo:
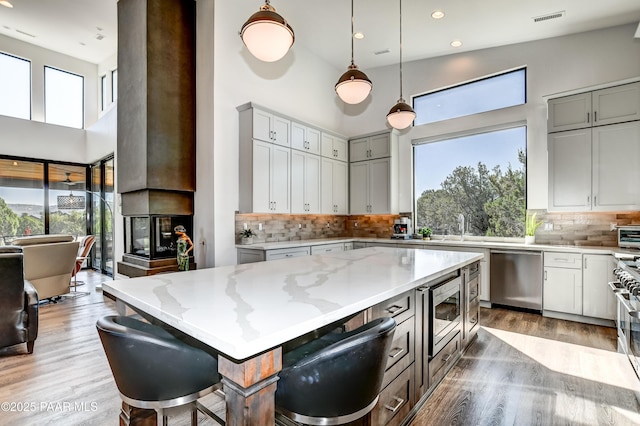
(401, 115)
(353, 86)
(267, 35)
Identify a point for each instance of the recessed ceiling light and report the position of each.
(5, 3)
(437, 14)
(456, 43)
(358, 35)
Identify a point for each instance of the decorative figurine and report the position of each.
(182, 243)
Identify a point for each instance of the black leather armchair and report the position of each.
(335, 379)
(18, 301)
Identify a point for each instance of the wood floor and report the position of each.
(523, 369)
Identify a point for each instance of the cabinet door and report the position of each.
(326, 146)
(340, 147)
(562, 290)
(262, 126)
(327, 204)
(359, 188)
(279, 170)
(359, 149)
(569, 112)
(312, 183)
(313, 141)
(570, 170)
(281, 128)
(379, 146)
(298, 136)
(379, 186)
(616, 104)
(298, 203)
(261, 177)
(598, 300)
(616, 167)
(340, 187)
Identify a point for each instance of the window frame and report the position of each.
(30, 98)
(467, 83)
(45, 95)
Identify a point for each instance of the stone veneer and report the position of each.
(585, 229)
(285, 227)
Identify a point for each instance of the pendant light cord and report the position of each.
(401, 97)
(352, 63)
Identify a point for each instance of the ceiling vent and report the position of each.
(381, 52)
(99, 36)
(24, 33)
(549, 16)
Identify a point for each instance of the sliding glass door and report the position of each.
(102, 197)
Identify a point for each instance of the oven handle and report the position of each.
(626, 305)
(612, 285)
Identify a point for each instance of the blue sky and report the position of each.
(435, 161)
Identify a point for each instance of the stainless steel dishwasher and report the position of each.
(516, 279)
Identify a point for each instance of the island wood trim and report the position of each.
(250, 388)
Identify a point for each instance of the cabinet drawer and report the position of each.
(401, 354)
(400, 307)
(563, 260)
(443, 361)
(327, 248)
(395, 400)
(286, 253)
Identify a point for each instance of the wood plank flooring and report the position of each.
(522, 369)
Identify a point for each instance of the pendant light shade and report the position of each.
(267, 35)
(353, 86)
(401, 115)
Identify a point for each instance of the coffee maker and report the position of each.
(402, 229)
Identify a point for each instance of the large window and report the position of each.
(104, 92)
(114, 85)
(491, 93)
(63, 98)
(473, 184)
(15, 87)
(41, 197)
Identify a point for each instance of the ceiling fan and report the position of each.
(68, 180)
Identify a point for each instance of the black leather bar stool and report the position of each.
(153, 369)
(336, 378)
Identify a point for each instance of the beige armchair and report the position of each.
(48, 262)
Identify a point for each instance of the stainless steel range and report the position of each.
(627, 291)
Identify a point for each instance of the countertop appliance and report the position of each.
(627, 291)
(516, 279)
(402, 229)
(446, 312)
(629, 236)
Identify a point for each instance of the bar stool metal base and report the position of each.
(327, 421)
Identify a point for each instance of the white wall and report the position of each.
(300, 85)
(554, 66)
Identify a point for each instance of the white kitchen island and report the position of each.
(247, 312)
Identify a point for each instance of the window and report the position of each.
(103, 92)
(473, 184)
(15, 87)
(67, 199)
(491, 93)
(63, 98)
(114, 85)
(21, 199)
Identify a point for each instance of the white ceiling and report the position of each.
(323, 27)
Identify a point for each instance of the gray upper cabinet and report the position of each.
(305, 138)
(333, 147)
(598, 108)
(370, 148)
(271, 128)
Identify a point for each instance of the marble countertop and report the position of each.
(437, 242)
(243, 310)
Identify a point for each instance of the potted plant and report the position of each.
(425, 232)
(247, 236)
(531, 224)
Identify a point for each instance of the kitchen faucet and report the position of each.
(461, 226)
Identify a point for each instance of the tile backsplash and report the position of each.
(283, 227)
(593, 229)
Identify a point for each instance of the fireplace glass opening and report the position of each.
(152, 237)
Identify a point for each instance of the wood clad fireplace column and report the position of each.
(156, 118)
